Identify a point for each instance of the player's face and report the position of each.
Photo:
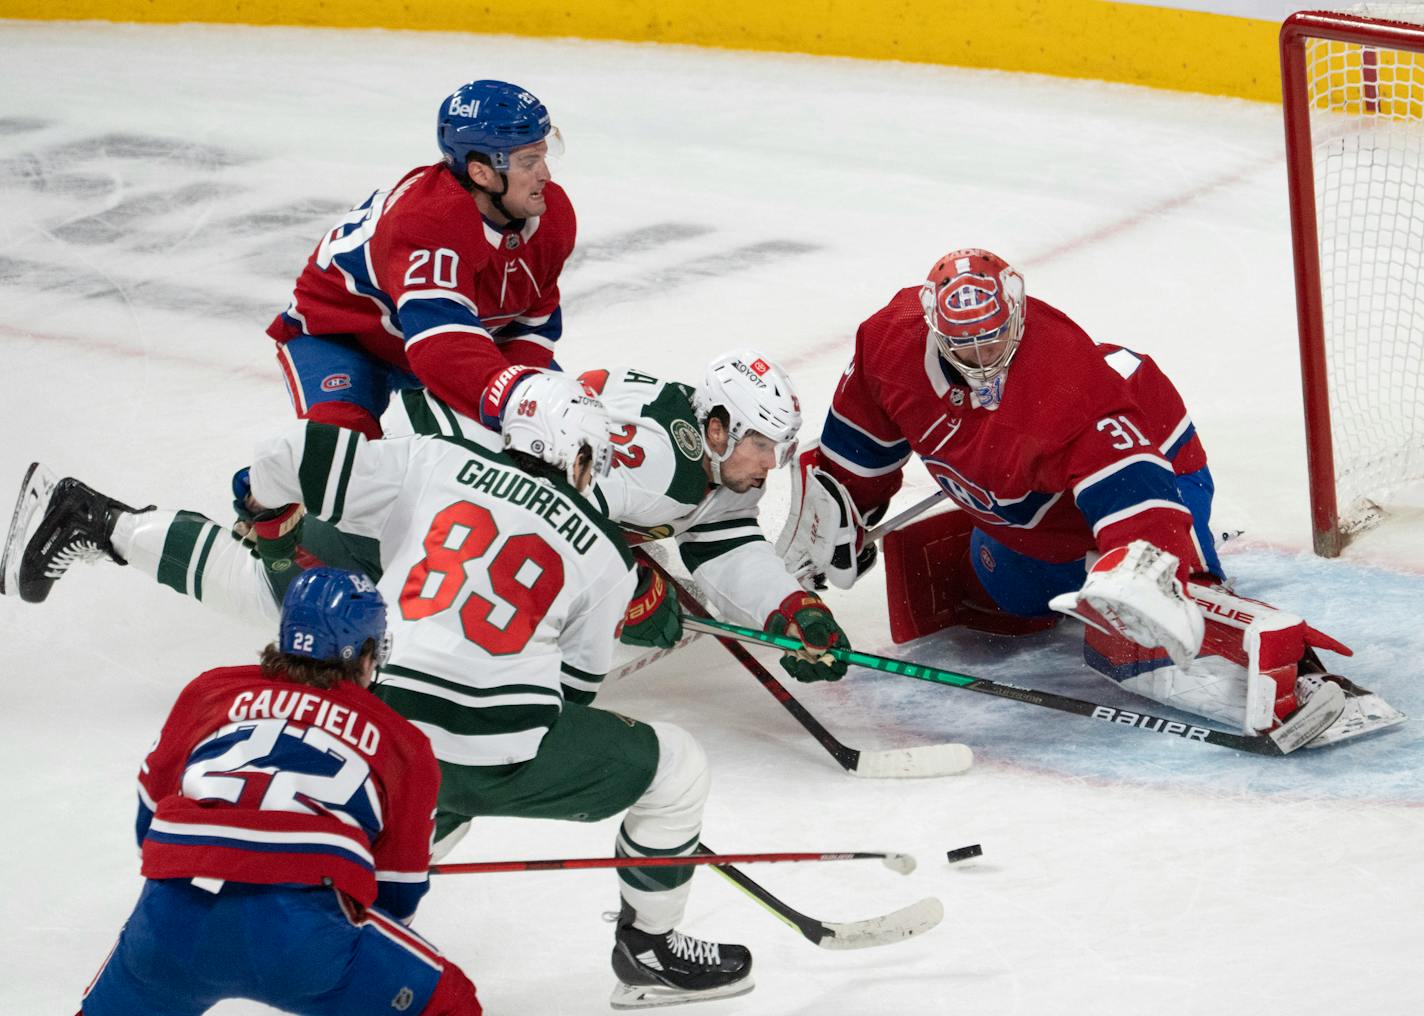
(528, 173)
(750, 463)
(976, 355)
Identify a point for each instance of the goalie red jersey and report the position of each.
(266, 781)
(1075, 446)
(422, 281)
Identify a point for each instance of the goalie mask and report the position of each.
(553, 418)
(974, 306)
(757, 396)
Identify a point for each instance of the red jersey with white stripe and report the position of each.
(420, 279)
(1077, 449)
(272, 782)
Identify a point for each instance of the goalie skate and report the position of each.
(35, 491)
(1364, 713)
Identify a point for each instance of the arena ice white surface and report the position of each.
(159, 189)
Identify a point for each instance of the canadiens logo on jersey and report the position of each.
(335, 382)
(983, 504)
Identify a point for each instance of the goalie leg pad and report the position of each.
(930, 583)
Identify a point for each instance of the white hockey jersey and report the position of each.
(504, 590)
(658, 487)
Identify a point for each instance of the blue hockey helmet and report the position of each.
(328, 614)
(492, 118)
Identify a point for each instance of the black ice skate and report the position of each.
(672, 968)
(75, 524)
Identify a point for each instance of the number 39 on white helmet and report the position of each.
(553, 418)
(757, 396)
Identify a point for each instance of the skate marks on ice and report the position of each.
(169, 224)
(1367, 608)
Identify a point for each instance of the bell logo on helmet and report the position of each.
(470, 109)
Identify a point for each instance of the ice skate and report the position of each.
(1364, 713)
(672, 968)
(75, 524)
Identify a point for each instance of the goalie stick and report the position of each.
(923, 761)
(901, 864)
(1308, 721)
(916, 919)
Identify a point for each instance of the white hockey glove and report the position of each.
(1134, 592)
(824, 532)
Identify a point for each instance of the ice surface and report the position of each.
(159, 189)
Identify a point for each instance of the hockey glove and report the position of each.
(652, 618)
(499, 394)
(824, 536)
(805, 616)
(275, 532)
(1134, 592)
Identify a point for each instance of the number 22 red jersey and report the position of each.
(267, 781)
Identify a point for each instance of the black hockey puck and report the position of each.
(964, 853)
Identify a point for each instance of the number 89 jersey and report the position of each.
(505, 590)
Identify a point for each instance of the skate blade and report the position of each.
(1364, 713)
(652, 996)
(35, 491)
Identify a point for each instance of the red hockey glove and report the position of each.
(500, 393)
(652, 618)
(805, 616)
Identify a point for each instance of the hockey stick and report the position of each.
(923, 761)
(890, 525)
(1322, 710)
(900, 863)
(637, 663)
(887, 929)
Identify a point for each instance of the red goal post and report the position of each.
(1353, 99)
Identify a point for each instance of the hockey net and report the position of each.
(1353, 95)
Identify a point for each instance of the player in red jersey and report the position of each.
(443, 281)
(1081, 487)
(285, 819)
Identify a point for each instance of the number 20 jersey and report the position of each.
(267, 781)
(504, 591)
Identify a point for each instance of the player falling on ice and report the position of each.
(285, 824)
(444, 280)
(1081, 486)
(689, 463)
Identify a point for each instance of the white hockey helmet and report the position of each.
(757, 396)
(553, 417)
(974, 304)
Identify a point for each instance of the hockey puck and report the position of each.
(964, 853)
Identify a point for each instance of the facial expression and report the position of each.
(750, 462)
(524, 187)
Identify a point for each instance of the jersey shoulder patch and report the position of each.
(672, 411)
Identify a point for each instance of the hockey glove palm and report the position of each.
(805, 616)
(652, 618)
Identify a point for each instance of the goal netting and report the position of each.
(1353, 91)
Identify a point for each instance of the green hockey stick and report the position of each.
(1322, 710)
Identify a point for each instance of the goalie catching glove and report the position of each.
(652, 618)
(805, 616)
(824, 535)
(1134, 592)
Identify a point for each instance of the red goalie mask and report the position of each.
(974, 305)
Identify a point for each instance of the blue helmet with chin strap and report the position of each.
(491, 118)
(328, 615)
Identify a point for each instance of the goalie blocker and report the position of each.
(1204, 650)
